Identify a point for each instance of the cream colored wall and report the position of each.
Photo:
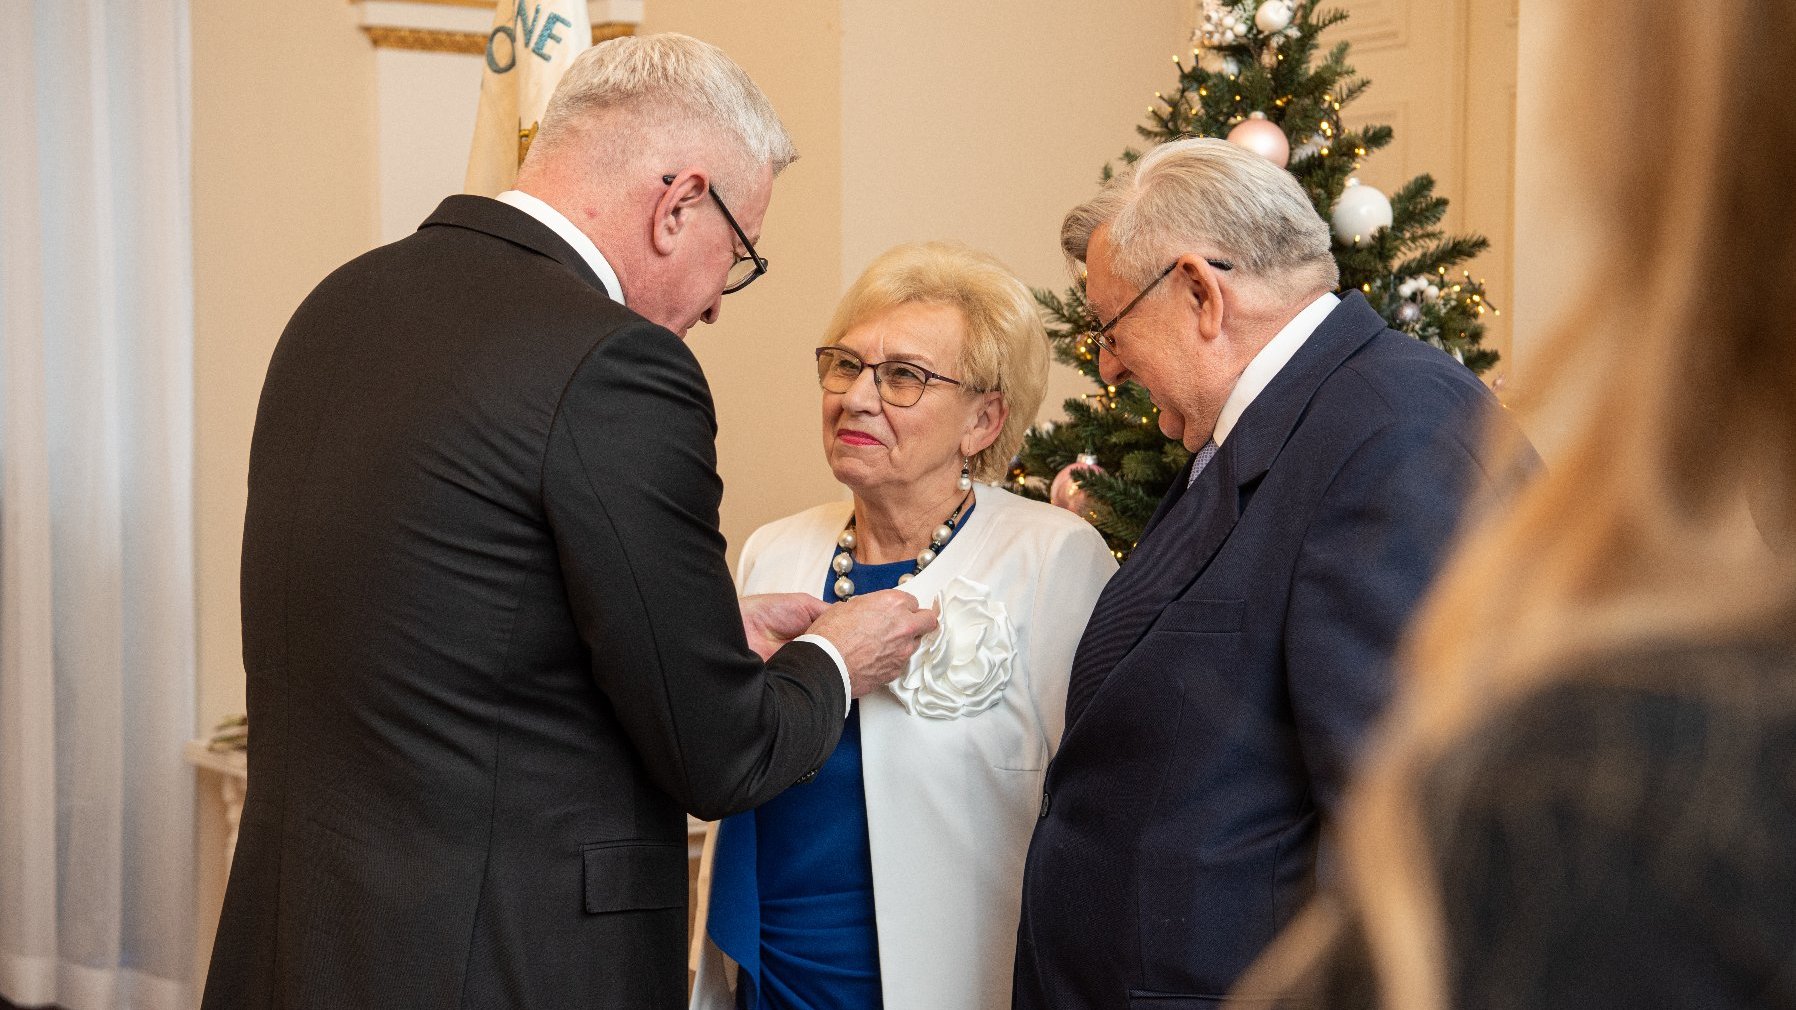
(283, 192)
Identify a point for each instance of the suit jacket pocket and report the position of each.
(1202, 617)
(634, 876)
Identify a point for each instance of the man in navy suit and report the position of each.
(1232, 668)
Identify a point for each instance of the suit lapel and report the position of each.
(1181, 540)
(502, 220)
(1268, 422)
(1171, 499)
(1190, 526)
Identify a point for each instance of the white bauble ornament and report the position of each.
(1263, 137)
(1273, 16)
(1409, 313)
(1065, 491)
(1359, 212)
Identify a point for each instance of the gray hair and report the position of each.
(1210, 196)
(670, 80)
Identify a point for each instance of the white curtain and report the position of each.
(96, 511)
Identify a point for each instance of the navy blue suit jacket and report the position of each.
(1232, 668)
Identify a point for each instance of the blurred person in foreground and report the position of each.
(1222, 692)
(1586, 796)
(892, 878)
(493, 651)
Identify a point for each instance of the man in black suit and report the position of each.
(494, 654)
(1231, 669)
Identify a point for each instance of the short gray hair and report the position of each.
(668, 78)
(1211, 196)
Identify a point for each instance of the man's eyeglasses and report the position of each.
(1101, 336)
(747, 266)
(900, 383)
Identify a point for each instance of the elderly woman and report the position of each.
(894, 875)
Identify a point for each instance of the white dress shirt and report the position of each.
(573, 236)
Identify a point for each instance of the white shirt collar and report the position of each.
(560, 225)
(1266, 364)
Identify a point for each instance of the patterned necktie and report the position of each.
(1204, 456)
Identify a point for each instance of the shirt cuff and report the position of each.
(841, 666)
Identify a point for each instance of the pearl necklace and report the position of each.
(843, 562)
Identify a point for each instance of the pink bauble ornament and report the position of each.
(1263, 137)
(1065, 491)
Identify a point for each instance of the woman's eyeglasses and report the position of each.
(900, 383)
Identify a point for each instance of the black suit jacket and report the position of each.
(494, 654)
(1231, 668)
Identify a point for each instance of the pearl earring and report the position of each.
(966, 474)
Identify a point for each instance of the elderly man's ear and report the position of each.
(1203, 286)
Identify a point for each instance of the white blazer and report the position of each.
(952, 801)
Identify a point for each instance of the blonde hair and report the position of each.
(1004, 349)
(1676, 380)
(668, 82)
(1210, 195)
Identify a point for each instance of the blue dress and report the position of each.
(792, 881)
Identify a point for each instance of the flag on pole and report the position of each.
(529, 48)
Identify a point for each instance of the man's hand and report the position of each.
(875, 634)
(773, 619)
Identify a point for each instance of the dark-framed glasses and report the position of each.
(900, 383)
(1101, 336)
(747, 266)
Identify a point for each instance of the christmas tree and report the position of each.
(1259, 77)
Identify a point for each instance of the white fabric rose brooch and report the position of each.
(962, 666)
